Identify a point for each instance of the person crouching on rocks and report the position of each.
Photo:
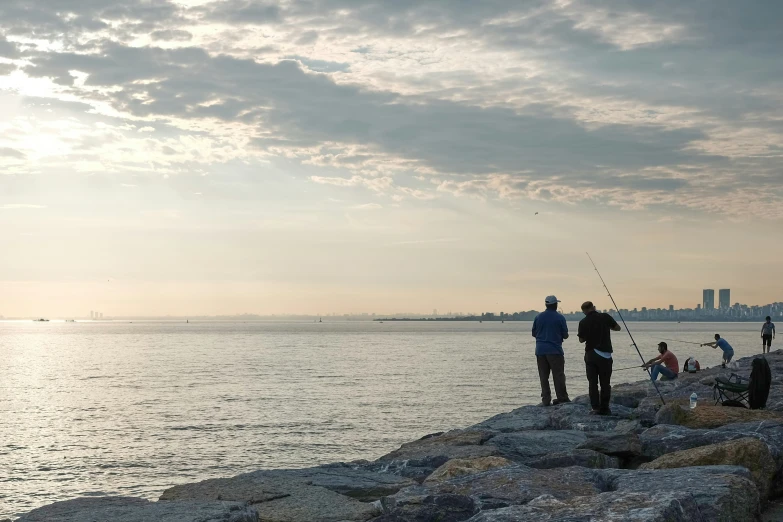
(595, 331)
(549, 329)
(723, 344)
(665, 364)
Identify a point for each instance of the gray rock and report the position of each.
(524, 445)
(284, 496)
(457, 444)
(426, 508)
(521, 419)
(579, 457)
(723, 493)
(415, 469)
(623, 445)
(351, 480)
(577, 417)
(664, 438)
(261, 486)
(606, 507)
(314, 504)
(127, 509)
(508, 486)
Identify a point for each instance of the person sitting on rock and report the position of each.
(665, 364)
(723, 344)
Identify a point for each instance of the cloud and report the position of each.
(368, 206)
(17, 206)
(631, 104)
(6, 152)
(177, 35)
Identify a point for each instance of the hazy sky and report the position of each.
(211, 157)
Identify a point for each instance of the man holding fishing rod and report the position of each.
(595, 330)
(723, 344)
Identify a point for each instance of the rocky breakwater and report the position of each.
(643, 463)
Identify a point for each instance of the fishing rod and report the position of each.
(633, 341)
(629, 368)
(686, 342)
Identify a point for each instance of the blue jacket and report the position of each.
(549, 329)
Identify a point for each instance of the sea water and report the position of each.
(119, 408)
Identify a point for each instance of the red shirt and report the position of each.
(670, 361)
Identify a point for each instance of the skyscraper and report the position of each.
(709, 300)
(92, 314)
(724, 298)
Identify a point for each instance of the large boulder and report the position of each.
(418, 459)
(709, 415)
(520, 419)
(748, 452)
(614, 507)
(577, 417)
(127, 509)
(294, 496)
(524, 445)
(461, 467)
(660, 440)
(428, 508)
(579, 457)
(506, 486)
(454, 445)
(261, 486)
(723, 493)
(623, 445)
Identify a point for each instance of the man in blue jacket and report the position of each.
(549, 329)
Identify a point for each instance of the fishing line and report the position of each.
(626, 326)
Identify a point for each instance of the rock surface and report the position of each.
(709, 415)
(606, 507)
(624, 445)
(746, 452)
(454, 445)
(722, 493)
(578, 457)
(524, 445)
(128, 509)
(460, 467)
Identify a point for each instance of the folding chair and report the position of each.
(732, 391)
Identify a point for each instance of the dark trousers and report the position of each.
(555, 364)
(599, 370)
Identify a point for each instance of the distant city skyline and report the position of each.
(699, 311)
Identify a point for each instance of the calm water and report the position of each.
(131, 409)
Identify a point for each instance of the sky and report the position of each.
(319, 156)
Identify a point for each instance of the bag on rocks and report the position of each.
(760, 380)
(691, 365)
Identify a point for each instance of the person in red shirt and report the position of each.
(665, 364)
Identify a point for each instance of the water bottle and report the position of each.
(693, 400)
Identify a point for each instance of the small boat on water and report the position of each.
(41, 320)
(70, 320)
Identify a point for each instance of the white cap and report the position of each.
(550, 299)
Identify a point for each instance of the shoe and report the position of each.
(558, 401)
(543, 404)
(593, 412)
(605, 412)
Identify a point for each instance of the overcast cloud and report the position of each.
(631, 105)
(628, 100)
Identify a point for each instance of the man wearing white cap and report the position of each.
(549, 329)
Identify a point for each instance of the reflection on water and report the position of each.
(131, 409)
